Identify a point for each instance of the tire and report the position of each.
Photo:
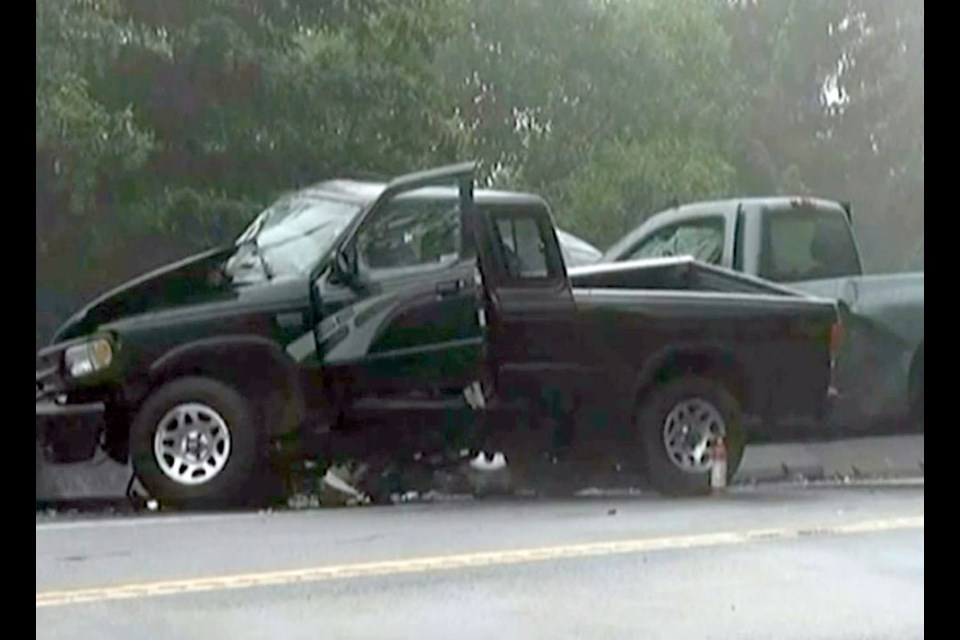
(202, 407)
(657, 407)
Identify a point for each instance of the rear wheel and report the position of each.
(195, 442)
(680, 424)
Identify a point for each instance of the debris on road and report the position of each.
(718, 470)
(810, 464)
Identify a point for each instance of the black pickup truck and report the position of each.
(355, 319)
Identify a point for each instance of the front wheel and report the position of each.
(680, 423)
(195, 442)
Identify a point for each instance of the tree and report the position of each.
(835, 95)
(579, 99)
(163, 127)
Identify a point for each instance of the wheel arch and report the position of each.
(254, 365)
(711, 361)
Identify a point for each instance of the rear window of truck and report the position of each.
(806, 243)
(524, 247)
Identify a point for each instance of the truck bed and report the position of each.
(675, 273)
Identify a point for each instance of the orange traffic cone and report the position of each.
(718, 470)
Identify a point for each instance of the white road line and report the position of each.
(460, 561)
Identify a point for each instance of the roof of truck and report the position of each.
(365, 192)
(757, 202)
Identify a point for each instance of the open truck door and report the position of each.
(403, 325)
(527, 299)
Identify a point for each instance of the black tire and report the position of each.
(233, 484)
(667, 477)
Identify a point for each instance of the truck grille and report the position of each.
(49, 380)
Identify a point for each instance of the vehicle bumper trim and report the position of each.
(68, 432)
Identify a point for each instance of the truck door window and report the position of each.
(807, 244)
(410, 234)
(523, 248)
(702, 239)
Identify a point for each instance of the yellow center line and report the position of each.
(459, 561)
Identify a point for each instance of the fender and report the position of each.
(216, 350)
(713, 353)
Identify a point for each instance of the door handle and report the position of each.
(449, 288)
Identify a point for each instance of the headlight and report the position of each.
(89, 357)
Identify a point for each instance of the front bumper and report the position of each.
(69, 432)
(68, 429)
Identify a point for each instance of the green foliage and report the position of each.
(610, 109)
(622, 184)
(162, 127)
(835, 107)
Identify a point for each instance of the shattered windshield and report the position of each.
(292, 234)
(702, 239)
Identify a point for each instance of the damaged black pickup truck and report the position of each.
(355, 320)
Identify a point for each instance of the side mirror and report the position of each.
(345, 266)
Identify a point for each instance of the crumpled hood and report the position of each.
(188, 281)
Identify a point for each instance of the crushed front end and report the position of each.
(73, 382)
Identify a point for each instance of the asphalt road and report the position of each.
(769, 562)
